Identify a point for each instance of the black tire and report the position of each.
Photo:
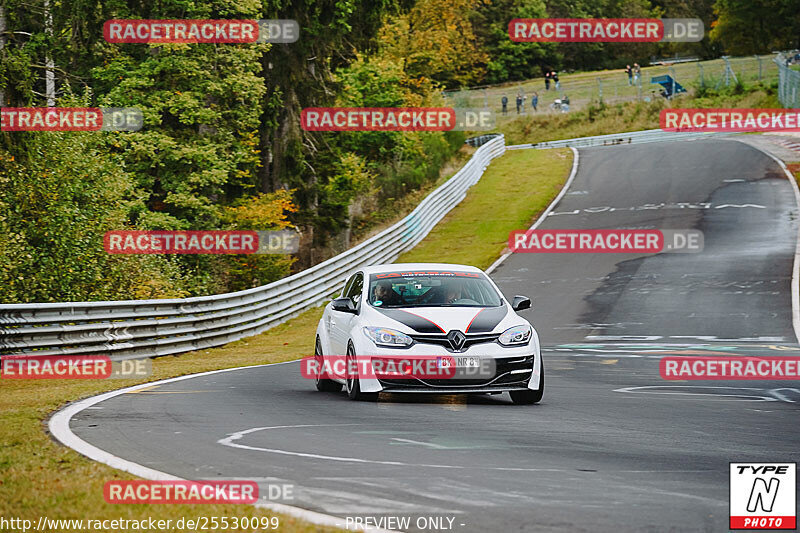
(353, 387)
(322, 382)
(529, 397)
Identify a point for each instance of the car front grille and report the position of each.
(441, 340)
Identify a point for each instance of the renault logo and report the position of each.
(457, 340)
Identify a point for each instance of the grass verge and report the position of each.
(523, 182)
(601, 119)
(41, 478)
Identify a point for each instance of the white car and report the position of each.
(450, 315)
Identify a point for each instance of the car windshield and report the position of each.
(432, 289)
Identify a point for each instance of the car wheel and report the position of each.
(352, 384)
(528, 397)
(323, 383)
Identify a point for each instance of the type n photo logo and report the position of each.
(763, 495)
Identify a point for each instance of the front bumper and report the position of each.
(516, 368)
(510, 373)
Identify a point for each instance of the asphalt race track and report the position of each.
(612, 447)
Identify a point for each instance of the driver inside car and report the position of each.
(385, 294)
(453, 293)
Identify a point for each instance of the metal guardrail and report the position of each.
(788, 83)
(148, 328)
(481, 139)
(633, 137)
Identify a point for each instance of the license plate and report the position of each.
(460, 362)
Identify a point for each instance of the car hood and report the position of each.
(443, 319)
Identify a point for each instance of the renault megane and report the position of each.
(452, 316)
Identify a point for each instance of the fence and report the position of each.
(147, 328)
(613, 87)
(788, 82)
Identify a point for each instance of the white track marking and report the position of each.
(590, 339)
(229, 441)
(648, 389)
(781, 397)
(796, 266)
(59, 428)
(547, 211)
(428, 444)
(648, 207)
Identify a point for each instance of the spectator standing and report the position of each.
(547, 81)
(554, 76)
(504, 101)
(519, 102)
(629, 72)
(535, 100)
(637, 73)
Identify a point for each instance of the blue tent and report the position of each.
(668, 83)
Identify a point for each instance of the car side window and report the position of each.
(355, 287)
(346, 286)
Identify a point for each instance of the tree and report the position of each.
(756, 26)
(58, 200)
(436, 39)
(509, 60)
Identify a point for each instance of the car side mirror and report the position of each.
(520, 303)
(345, 305)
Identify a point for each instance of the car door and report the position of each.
(341, 322)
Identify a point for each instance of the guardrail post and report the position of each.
(788, 82)
(729, 73)
(672, 73)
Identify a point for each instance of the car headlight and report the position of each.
(516, 336)
(388, 337)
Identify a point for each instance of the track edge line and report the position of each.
(546, 212)
(58, 425)
(796, 264)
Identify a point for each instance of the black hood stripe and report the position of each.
(483, 322)
(415, 322)
(487, 319)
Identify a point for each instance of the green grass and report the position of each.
(475, 232)
(41, 478)
(583, 88)
(603, 119)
